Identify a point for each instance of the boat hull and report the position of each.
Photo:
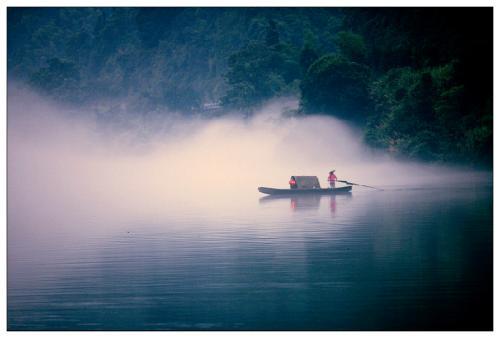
(324, 191)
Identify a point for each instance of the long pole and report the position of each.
(361, 185)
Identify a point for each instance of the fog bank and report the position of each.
(64, 160)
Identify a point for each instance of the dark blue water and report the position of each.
(417, 258)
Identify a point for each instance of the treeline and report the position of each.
(430, 81)
(418, 80)
(154, 57)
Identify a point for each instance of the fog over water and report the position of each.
(125, 224)
(66, 167)
(59, 157)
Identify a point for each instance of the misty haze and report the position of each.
(134, 160)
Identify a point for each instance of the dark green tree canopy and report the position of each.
(336, 84)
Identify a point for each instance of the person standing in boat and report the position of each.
(293, 183)
(332, 178)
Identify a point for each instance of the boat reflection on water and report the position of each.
(307, 202)
(333, 204)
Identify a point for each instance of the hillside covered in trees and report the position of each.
(418, 80)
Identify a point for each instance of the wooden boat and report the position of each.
(320, 191)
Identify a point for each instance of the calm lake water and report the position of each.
(407, 258)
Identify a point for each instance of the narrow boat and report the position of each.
(321, 191)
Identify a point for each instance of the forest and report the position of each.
(417, 81)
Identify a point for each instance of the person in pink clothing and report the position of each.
(332, 178)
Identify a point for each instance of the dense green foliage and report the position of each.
(338, 85)
(418, 80)
(260, 71)
(154, 57)
(423, 114)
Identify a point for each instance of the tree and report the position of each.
(272, 34)
(307, 56)
(352, 46)
(58, 73)
(336, 86)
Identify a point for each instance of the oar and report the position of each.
(361, 185)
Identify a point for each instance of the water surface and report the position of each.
(408, 258)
